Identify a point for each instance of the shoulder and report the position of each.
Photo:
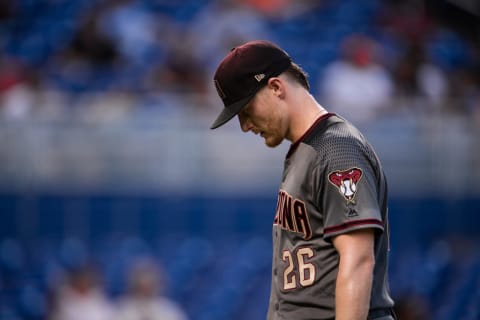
(341, 146)
(336, 133)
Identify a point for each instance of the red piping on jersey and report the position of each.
(350, 224)
(295, 145)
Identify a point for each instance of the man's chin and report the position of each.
(272, 142)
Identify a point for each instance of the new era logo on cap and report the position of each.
(244, 71)
(259, 77)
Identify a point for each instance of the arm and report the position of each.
(355, 274)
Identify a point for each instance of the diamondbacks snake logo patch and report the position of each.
(346, 181)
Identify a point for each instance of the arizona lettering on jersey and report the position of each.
(291, 215)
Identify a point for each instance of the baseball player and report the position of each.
(330, 231)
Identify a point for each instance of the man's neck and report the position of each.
(304, 114)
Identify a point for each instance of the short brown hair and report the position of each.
(298, 74)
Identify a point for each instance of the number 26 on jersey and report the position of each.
(299, 271)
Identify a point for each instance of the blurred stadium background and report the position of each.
(106, 157)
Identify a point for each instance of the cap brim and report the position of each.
(230, 112)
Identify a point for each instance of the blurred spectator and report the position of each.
(356, 85)
(405, 20)
(269, 7)
(145, 299)
(418, 80)
(92, 44)
(180, 73)
(82, 65)
(81, 298)
(130, 25)
(17, 94)
(24, 94)
(222, 25)
(465, 83)
(283, 9)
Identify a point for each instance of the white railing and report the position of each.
(165, 151)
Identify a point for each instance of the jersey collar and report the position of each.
(295, 145)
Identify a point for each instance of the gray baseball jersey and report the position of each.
(332, 183)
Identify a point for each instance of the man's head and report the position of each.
(248, 69)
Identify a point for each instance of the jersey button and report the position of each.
(277, 306)
(275, 271)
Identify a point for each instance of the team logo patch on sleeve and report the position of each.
(346, 181)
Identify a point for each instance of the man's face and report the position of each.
(264, 115)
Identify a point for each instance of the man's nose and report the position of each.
(245, 123)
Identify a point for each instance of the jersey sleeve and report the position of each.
(348, 187)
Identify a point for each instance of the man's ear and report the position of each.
(277, 85)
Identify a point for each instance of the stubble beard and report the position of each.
(273, 141)
(275, 137)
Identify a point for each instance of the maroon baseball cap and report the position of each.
(244, 71)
